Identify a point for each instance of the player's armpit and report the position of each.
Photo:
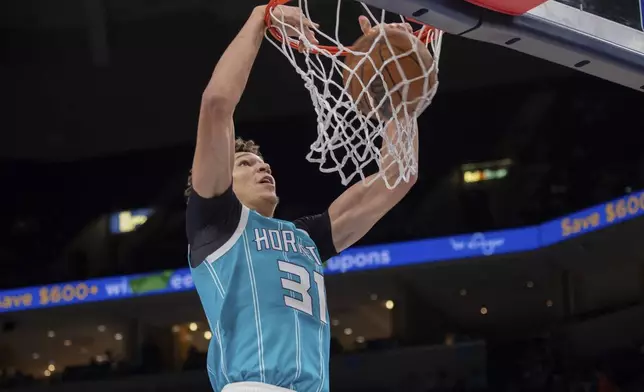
(319, 229)
(211, 222)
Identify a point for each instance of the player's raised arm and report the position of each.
(360, 207)
(215, 152)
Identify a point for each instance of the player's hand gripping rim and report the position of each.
(367, 29)
(292, 18)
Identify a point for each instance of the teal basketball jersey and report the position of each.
(264, 297)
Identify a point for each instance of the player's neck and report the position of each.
(266, 213)
(264, 207)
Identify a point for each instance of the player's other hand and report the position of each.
(367, 29)
(292, 16)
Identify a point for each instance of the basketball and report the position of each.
(388, 77)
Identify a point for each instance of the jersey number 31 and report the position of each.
(302, 288)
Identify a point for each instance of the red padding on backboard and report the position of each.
(510, 7)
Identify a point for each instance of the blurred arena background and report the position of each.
(516, 263)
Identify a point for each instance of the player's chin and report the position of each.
(267, 191)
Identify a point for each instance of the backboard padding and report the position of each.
(552, 31)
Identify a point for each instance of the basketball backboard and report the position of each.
(604, 38)
(624, 12)
(618, 22)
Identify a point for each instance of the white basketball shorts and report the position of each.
(253, 387)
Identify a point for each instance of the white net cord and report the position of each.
(355, 137)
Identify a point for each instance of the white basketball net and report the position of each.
(351, 141)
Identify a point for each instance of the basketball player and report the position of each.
(260, 279)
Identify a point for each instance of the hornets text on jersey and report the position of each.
(261, 284)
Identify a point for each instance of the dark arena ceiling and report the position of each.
(91, 78)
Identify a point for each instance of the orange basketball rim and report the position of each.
(423, 34)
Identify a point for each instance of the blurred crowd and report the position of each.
(524, 366)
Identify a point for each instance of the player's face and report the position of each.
(252, 181)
